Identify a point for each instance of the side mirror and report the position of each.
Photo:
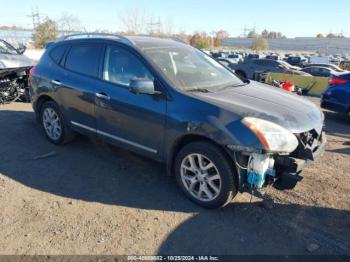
(142, 86)
(21, 49)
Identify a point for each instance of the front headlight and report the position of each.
(273, 137)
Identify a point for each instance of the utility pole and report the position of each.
(35, 17)
(154, 26)
(246, 31)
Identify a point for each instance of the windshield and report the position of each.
(190, 69)
(6, 48)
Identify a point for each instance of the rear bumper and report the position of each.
(288, 169)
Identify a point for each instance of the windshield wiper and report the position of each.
(202, 90)
(234, 85)
(238, 85)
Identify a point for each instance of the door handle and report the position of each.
(56, 82)
(102, 96)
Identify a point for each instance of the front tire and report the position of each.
(205, 174)
(53, 124)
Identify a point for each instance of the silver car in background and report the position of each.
(14, 72)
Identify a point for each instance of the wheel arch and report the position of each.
(190, 138)
(39, 103)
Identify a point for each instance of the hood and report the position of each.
(14, 61)
(288, 110)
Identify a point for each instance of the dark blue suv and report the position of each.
(169, 101)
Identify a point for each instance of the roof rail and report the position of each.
(174, 38)
(90, 35)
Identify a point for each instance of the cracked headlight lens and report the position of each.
(273, 137)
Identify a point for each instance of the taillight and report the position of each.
(334, 81)
(32, 72)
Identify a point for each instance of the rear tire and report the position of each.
(54, 125)
(205, 174)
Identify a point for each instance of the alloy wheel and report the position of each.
(200, 177)
(52, 123)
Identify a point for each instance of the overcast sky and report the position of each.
(293, 18)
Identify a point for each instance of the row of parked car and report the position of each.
(250, 67)
(337, 95)
(295, 60)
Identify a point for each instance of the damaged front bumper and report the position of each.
(286, 170)
(14, 84)
(289, 168)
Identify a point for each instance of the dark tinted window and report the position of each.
(259, 62)
(272, 57)
(271, 63)
(314, 70)
(325, 71)
(84, 59)
(307, 70)
(57, 53)
(294, 59)
(121, 66)
(265, 62)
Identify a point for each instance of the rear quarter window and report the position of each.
(57, 53)
(84, 59)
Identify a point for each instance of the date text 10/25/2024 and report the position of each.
(173, 258)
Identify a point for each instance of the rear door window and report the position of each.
(84, 59)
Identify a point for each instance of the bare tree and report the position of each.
(185, 37)
(252, 34)
(265, 34)
(168, 27)
(200, 40)
(260, 44)
(219, 37)
(134, 21)
(69, 23)
(332, 35)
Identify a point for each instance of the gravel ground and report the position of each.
(91, 198)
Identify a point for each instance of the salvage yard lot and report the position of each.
(91, 198)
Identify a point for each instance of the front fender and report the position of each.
(193, 117)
